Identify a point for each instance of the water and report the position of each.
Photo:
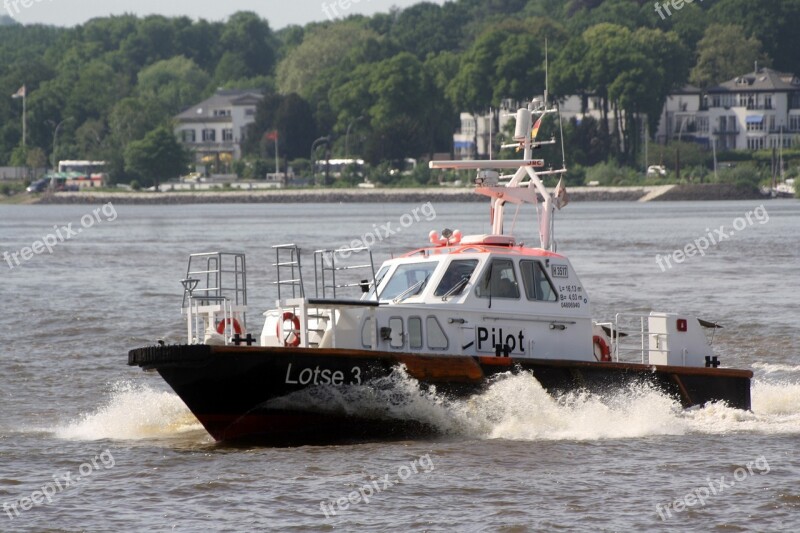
(513, 459)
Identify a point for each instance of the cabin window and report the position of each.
(437, 339)
(396, 340)
(366, 333)
(415, 332)
(456, 277)
(500, 281)
(408, 280)
(537, 285)
(378, 279)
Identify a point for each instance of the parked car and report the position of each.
(39, 185)
(56, 184)
(654, 170)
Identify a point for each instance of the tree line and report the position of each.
(395, 81)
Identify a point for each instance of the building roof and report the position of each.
(223, 98)
(687, 89)
(764, 79)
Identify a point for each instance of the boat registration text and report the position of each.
(324, 376)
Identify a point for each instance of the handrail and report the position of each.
(295, 280)
(643, 335)
(325, 261)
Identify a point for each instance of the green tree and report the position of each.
(19, 156)
(772, 22)
(291, 116)
(131, 118)
(36, 158)
(175, 83)
(405, 113)
(90, 140)
(157, 157)
(323, 51)
(724, 53)
(248, 40)
(617, 12)
(95, 92)
(507, 62)
(588, 144)
(427, 28)
(630, 72)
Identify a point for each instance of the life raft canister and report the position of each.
(237, 328)
(601, 350)
(292, 338)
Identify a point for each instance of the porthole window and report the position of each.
(415, 333)
(437, 339)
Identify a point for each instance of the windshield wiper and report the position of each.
(411, 291)
(456, 288)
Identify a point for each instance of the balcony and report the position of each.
(212, 146)
(763, 107)
(726, 131)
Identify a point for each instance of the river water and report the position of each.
(90, 444)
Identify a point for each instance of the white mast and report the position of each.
(524, 184)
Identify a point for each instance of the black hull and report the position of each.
(269, 394)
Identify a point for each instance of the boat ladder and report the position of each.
(287, 262)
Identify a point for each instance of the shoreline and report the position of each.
(693, 192)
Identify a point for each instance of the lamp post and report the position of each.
(347, 136)
(203, 149)
(55, 140)
(314, 145)
(678, 151)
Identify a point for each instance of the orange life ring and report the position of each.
(293, 338)
(237, 328)
(605, 351)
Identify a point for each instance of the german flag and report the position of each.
(536, 126)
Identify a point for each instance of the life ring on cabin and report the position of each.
(237, 328)
(293, 338)
(600, 344)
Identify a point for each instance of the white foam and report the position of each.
(514, 407)
(518, 408)
(771, 368)
(132, 412)
(776, 399)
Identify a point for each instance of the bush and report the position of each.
(576, 176)
(696, 174)
(239, 168)
(609, 173)
(744, 175)
(379, 174)
(135, 185)
(301, 167)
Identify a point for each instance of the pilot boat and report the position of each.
(453, 316)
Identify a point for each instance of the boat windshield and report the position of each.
(410, 279)
(378, 279)
(456, 277)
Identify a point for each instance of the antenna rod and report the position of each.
(546, 74)
(491, 127)
(561, 127)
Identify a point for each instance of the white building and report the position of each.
(580, 107)
(751, 112)
(473, 140)
(755, 111)
(215, 128)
